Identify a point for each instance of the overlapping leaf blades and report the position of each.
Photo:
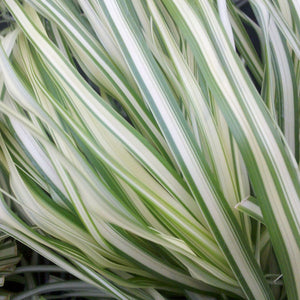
(154, 198)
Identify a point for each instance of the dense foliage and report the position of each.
(150, 147)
